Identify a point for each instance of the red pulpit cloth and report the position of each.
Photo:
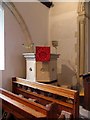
(42, 54)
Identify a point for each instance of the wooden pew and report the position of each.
(24, 109)
(67, 100)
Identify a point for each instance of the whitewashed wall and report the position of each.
(0, 78)
(36, 18)
(63, 28)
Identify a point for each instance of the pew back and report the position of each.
(68, 100)
(19, 106)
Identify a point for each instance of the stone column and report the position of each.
(81, 48)
(81, 39)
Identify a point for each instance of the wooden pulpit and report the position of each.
(86, 83)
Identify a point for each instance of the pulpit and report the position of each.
(45, 72)
(86, 83)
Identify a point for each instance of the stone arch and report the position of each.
(29, 45)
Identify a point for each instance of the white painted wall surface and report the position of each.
(0, 78)
(63, 28)
(36, 18)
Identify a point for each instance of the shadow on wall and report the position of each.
(66, 75)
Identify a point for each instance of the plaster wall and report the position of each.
(0, 78)
(63, 28)
(36, 18)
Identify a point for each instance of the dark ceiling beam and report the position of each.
(47, 3)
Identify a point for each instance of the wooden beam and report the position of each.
(47, 4)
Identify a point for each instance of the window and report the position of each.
(1, 38)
